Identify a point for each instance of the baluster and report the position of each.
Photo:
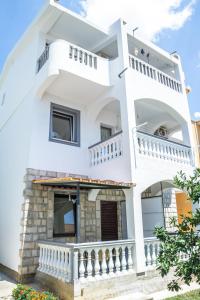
(59, 265)
(145, 147)
(89, 264)
(81, 265)
(40, 258)
(130, 258)
(75, 53)
(85, 58)
(108, 151)
(80, 56)
(95, 62)
(51, 261)
(111, 262)
(97, 263)
(117, 261)
(70, 51)
(153, 254)
(101, 154)
(123, 262)
(103, 264)
(48, 260)
(148, 257)
(90, 60)
(44, 259)
(66, 266)
(62, 265)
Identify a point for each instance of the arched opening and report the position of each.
(158, 119)
(160, 202)
(108, 121)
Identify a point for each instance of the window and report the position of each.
(65, 125)
(64, 215)
(106, 132)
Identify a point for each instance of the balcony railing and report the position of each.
(106, 150)
(68, 262)
(43, 58)
(83, 56)
(159, 148)
(151, 251)
(155, 74)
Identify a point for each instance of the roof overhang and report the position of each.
(83, 183)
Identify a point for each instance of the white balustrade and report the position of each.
(159, 148)
(106, 150)
(87, 260)
(151, 250)
(54, 260)
(83, 56)
(155, 74)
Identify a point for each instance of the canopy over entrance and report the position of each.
(84, 183)
(78, 184)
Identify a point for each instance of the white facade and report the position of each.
(113, 78)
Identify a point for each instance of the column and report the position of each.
(135, 227)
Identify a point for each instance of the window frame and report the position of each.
(72, 113)
(106, 127)
(65, 234)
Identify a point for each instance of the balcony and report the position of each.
(157, 148)
(67, 62)
(70, 262)
(154, 74)
(107, 150)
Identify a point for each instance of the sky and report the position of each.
(172, 24)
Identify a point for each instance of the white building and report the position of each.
(79, 103)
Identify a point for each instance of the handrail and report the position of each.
(68, 262)
(154, 73)
(161, 138)
(98, 143)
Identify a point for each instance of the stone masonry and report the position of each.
(38, 213)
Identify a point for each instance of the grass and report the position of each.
(195, 295)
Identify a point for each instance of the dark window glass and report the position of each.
(64, 216)
(106, 133)
(65, 125)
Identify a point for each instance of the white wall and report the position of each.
(14, 145)
(15, 133)
(48, 155)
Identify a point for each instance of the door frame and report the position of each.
(117, 219)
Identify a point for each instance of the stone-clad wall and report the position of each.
(37, 217)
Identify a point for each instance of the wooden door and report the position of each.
(184, 206)
(109, 223)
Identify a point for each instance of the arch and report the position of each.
(157, 115)
(97, 106)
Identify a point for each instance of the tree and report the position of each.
(180, 251)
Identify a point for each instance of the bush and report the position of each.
(22, 292)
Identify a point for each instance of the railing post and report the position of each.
(76, 270)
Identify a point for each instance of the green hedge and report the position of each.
(22, 292)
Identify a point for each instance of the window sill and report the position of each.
(76, 144)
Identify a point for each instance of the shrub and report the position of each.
(22, 292)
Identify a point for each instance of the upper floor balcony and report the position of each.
(74, 67)
(154, 74)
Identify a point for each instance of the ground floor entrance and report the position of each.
(109, 223)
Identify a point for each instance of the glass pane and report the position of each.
(64, 218)
(106, 133)
(62, 126)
